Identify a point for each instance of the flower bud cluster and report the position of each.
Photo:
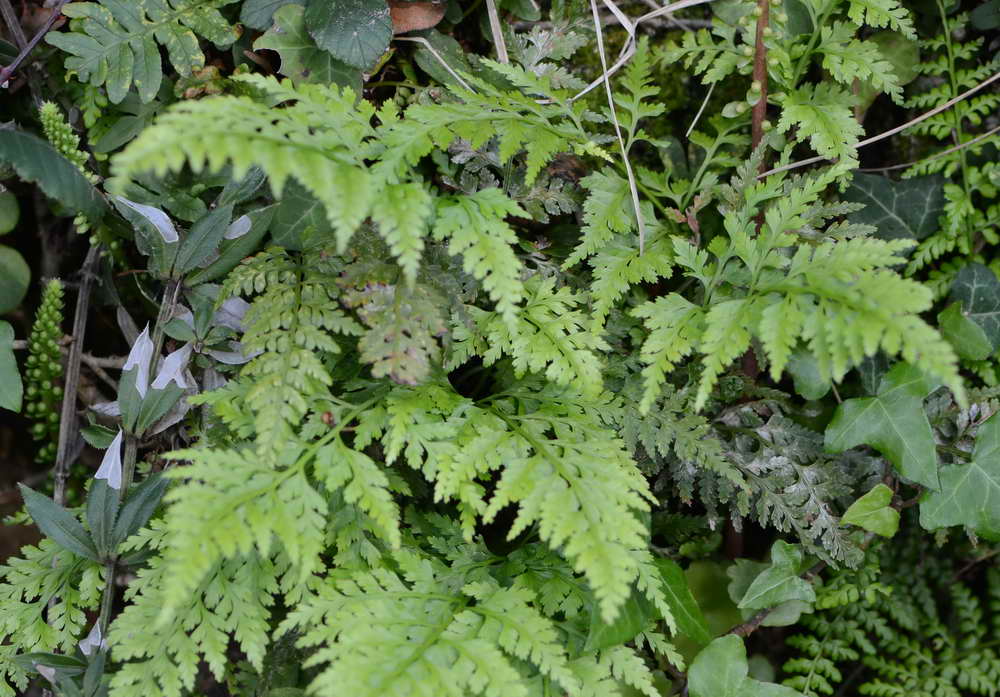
(44, 372)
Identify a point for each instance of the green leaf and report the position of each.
(203, 239)
(11, 388)
(893, 422)
(402, 215)
(102, 508)
(404, 324)
(36, 161)
(978, 289)
(231, 252)
(905, 209)
(970, 494)
(115, 43)
(804, 369)
(968, 338)
(356, 32)
(449, 50)
(258, 14)
(301, 59)
(139, 507)
(823, 114)
(687, 614)
(779, 582)
(10, 212)
(873, 512)
(298, 212)
(58, 524)
(67, 665)
(721, 670)
(635, 616)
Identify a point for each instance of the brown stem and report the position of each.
(67, 417)
(760, 77)
(30, 46)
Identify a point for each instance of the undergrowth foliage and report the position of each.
(439, 395)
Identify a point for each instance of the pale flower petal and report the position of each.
(94, 641)
(111, 465)
(139, 357)
(47, 672)
(157, 218)
(173, 369)
(231, 313)
(238, 228)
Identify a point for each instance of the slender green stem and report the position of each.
(107, 595)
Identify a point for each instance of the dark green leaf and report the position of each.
(102, 508)
(11, 388)
(57, 523)
(36, 161)
(14, 278)
(231, 252)
(635, 616)
(893, 422)
(139, 507)
(978, 289)
(445, 47)
(297, 213)
(986, 16)
(721, 670)
(98, 436)
(203, 239)
(688, 616)
(10, 211)
(69, 665)
(970, 493)
(155, 405)
(238, 191)
(804, 369)
(301, 59)
(907, 209)
(258, 14)
(356, 32)
(873, 512)
(968, 338)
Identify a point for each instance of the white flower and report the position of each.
(238, 228)
(111, 465)
(139, 357)
(94, 641)
(157, 218)
(173, 368)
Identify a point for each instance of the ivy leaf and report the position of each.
(970, 493)
(301, 59)
(893, 422)
(978, 289)
(873, 512)
(779, 582)
(968, 338)
(57, 523)
(721, 670)
(687, 614)
(905, 209)
(11, 389)
(356, 32)
(404, 324)
(823, 114)
(36, 161)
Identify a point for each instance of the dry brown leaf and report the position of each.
(413, 16)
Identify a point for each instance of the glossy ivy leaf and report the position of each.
(873, 512)
(58, 524)
(721, 670)
(804, 369)
(893, 422)
(742, 574)
(904, 209)
(102, 509)
(36, 161)
(978, 289)
(687, 614)
(970, 493)
(11, 388)
(301, 59)
(779, 582)
(968, 338)
(356, 32)
(634, 616)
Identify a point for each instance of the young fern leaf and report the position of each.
(116, 43)
(823, 115)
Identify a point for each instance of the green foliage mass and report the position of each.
(451, 367)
